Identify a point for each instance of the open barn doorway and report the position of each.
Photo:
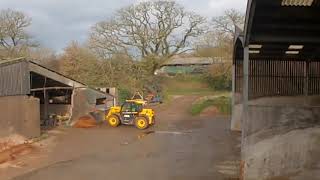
(55, 100)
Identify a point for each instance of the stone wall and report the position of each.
(237, 106)
(236, 117)
(19, 115)
(281, 137)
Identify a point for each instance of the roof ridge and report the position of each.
(4, 62)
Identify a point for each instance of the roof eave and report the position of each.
(248, 21)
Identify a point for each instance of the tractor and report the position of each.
(132, 112)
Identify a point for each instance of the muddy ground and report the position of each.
(179, 147)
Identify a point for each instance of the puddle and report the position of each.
(173, 132)
(144, 134)
(124, 143)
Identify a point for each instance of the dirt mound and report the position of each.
(13, 146)
(210, 111)
(13, 140)
(12, 153)
(85, 122)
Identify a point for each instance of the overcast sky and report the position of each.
(56, 22)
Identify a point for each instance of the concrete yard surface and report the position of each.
(179, 147)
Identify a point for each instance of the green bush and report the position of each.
(219, 83)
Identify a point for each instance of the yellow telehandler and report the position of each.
(132, 112)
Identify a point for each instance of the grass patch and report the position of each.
(187, 85)
(223, 104)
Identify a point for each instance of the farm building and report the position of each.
(186, 65)
(276, 89)
(31, 95)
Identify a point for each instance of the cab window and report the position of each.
(131, 107)
(126, 107)
(136, 107)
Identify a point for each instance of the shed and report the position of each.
(186, 65)
(30, 89)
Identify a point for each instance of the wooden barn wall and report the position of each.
(278, 77)
(314, 77)
(283, 78)
(238, 75)
(14, 79)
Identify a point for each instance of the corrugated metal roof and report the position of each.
(7, 62)
(190, 61)
(4, 62)
(278, 24)
(297, 2)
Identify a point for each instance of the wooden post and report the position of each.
(45, 99)
(306, 81)
(234, 115)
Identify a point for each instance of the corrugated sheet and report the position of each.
(5, 62)
(14, 79)
(297, 2)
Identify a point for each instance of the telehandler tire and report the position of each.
(114, 121)
(141, 123)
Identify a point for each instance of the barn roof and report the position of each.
(184, 61)
(283, 28)
(46, 72)
(42, 70)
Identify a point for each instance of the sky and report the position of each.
(55, 23)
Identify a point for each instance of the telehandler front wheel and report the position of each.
(141, 123)
(114, 121)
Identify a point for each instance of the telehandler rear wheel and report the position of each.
(141, 123)
(114, 121)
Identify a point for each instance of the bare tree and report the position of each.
(228, 21)
(44, 56)
(218, 44)
(13, 36)
(79, 63)
(218, 41)
(215, 44)
(157, 28)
